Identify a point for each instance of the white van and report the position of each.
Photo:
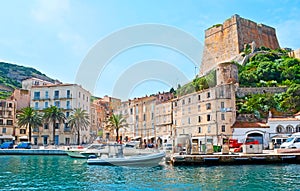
(293, 142)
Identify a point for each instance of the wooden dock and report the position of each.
(234, 159)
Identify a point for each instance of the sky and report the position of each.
(111, 45)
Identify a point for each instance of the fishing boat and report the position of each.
(115, 157)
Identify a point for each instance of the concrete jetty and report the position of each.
(234, 159)
(32, 152)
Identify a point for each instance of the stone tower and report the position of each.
(224, 42)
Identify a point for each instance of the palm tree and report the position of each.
(53, 114)
(116, 122)
(78, 120)
(28, 117)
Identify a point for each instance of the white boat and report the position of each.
(81, 152)
(149, 160)
(115, 157)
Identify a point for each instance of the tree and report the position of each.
(116, 122)
(78, 121)
(29, 118)
(52, 115)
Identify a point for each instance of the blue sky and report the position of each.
(55, 36)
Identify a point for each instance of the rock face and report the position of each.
(225, 41)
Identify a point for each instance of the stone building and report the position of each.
(224, 42)
(207, 115)
(8, 131)
(164, 121)
(64, 96)
(101, 110)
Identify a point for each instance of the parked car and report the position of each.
(293, 142)
(23, 145)
(7, 145)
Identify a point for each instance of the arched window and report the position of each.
(289, 129)
(279, 129)
(298, 128)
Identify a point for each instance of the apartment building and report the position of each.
(7, 120)
(64, 96)
(164, 121)
(207, 115)
(101, 111)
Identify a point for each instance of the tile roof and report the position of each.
(239, 124)
(283, 119)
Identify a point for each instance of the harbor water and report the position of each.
(65, 173)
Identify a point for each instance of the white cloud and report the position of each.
(49, 11)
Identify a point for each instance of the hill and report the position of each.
(11, 76)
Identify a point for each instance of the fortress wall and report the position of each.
(226, 41)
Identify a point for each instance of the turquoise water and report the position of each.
(64, 173)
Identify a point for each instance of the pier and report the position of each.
(234, 159)
(32, 152)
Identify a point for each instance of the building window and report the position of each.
(46, 104)
(3, 130)
(289, 129)
(56, 125)
(183, 102)
(223, 128)
(68, 105)
(280, 129)
(83, 96)
(131, 111)
(189, 109)
(199, 129)
(175, 104)
(10, 105)
(199, 119)
(46, 95)
(68, 94)
(208, 106)
(208, 129)
(208, 94)
(223, 116)
(199, 107)
(36, 105)
(67, 114)
(144, 117)
(46, 126)
(9, 122)
(182, 111)
(222, 105)
(45, 140)
(208, 118)
(199, 97)
(57, 104)
(79, 94)
(1, 121)
(175, 122)
(22, 131)
(56, 94)
(189, 120)
(189, 100)
(36, 95)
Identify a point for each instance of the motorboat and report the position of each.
(115, 157)
(84, 152)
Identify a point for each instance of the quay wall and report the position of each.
(32, 152)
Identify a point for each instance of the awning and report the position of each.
(23, 137)
(7, 137)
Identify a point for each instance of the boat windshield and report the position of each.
(96, 146)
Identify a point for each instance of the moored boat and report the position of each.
(149, 160)
(81, 152)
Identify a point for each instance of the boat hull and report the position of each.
(134, 161)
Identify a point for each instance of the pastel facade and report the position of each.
(64, 96)
(8, 121)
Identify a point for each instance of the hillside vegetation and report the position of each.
(265, 69)
(11, 76)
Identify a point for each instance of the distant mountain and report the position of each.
(11, 76)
